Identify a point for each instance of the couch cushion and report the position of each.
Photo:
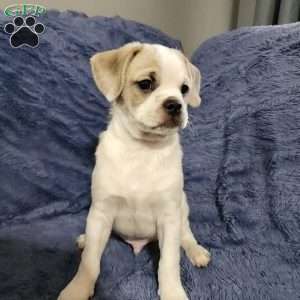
(246, 136)
(51, 112)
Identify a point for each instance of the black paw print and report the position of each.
(24, 33)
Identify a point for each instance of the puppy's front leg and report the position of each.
(170, 287)
(98, 229)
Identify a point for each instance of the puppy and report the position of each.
(137, 183)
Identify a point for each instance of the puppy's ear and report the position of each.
(109, 69)
(193, 97)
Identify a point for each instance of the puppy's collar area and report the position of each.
(126, 128)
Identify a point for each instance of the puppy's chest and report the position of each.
(142, 183)
(138, 176)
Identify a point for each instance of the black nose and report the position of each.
(172, 107)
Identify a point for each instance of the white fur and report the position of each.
(171, 76)
(137, 191)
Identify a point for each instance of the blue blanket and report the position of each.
(241, 163)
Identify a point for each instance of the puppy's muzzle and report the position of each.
(172, 107)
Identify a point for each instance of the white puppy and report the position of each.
(137, 183)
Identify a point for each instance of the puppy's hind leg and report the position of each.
(80, 241)
(197, 254)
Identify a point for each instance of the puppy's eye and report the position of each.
(184, 89)
(145, 85)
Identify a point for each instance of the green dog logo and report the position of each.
(24, 10)
(24, 30)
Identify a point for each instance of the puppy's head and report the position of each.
(151, 84)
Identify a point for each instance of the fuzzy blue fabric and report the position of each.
(241, 163)
(51, 114)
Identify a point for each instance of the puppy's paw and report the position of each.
(174, 294)
(76, 291)
(198, 256)
(80, 241)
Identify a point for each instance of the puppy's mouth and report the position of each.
(169, 123)
(167, 126)
(161, 130)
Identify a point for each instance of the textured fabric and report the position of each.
(246, 147)
(241, 164)
(50, 116)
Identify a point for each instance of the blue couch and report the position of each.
(241, 164)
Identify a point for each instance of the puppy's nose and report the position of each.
(172, 107)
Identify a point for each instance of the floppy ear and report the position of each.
(193, 97)
(109, 69)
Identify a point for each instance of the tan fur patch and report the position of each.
(143, 66)
(195, 78)
(109, 69)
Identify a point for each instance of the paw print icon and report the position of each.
(24, 31)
